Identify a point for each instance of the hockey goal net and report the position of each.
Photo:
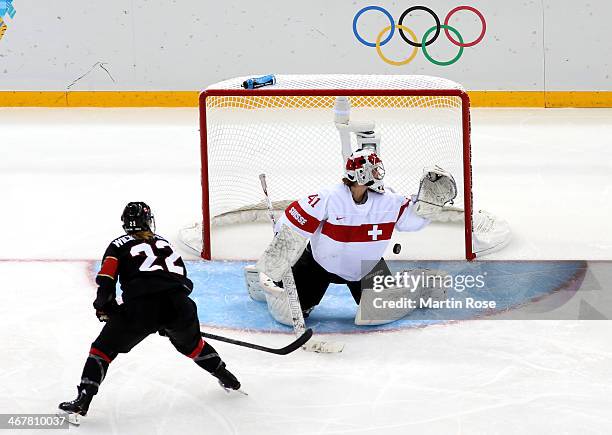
(287, 131)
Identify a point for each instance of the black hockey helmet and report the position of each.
(136, 217)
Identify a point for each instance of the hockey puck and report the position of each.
(397, 248)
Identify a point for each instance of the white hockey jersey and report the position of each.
(343, 234)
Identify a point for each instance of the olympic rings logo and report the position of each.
(426, 41)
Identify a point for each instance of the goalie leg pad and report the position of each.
(391, 304)
(491, 233)
(277, 300)
(282, 253)
(251, 277)
(431, 284)
(368, 313)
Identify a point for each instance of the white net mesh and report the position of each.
(294, 141)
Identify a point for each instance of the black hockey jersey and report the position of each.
(142, 267)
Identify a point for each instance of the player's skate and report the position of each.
(227, 380)
(78, 407)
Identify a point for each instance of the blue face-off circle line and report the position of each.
(373, 8)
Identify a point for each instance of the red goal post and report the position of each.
(234, 94)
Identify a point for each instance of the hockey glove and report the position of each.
(103, 313)
(437, 188)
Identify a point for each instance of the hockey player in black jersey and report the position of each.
(155, 298)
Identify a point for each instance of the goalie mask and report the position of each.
(365, 168)
(136, 217)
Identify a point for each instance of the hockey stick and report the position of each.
(294, 303)
(299, 342)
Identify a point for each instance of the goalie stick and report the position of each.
(296, 344)
(294, 302)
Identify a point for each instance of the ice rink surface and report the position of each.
(67, 173)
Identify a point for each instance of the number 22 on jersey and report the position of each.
(148, 266)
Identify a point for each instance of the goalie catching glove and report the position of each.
(437, 188)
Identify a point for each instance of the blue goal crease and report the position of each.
(223, 301)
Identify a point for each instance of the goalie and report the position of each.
(335, 230)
